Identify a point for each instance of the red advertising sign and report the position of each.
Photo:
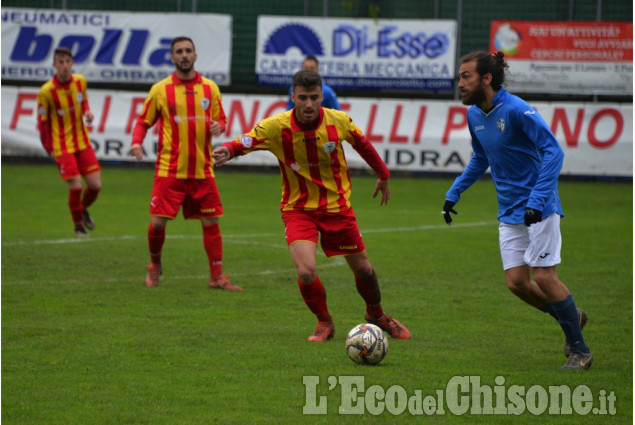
(409, 134)
(567, 57)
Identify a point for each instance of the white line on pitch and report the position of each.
(428, 227)
(334, 262)
(229, 237)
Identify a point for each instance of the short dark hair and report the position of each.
(63, 51)
(307, 78)
(179, 39)
(487, 63)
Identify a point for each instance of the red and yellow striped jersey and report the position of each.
(313, 167)
(60, 112)
(183, 110)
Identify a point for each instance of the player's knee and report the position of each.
(360, 265)
(74, 183)
(158, 223)
(365, 272)
(306, 275)
(516, 286)
(545, 276)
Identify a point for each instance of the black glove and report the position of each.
(532, 216)
(447, 209)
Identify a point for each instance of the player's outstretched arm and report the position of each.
(382, 186)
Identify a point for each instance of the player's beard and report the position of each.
(476, 97)
(308, 115)
(184, 69)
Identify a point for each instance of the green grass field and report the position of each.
(85, 342)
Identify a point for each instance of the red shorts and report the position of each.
(199, 197)
(78, 163)
(338, 232)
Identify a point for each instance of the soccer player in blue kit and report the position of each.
(524, 158)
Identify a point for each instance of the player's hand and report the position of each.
(88, 116)
(532, 216)
(447, 209)
(215, 128)
(382, 185)
(136, 151)
(220, 155)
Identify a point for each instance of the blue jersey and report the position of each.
(523, 155)
(328, 101)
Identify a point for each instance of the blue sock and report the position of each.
(548, 308)
(569, 321)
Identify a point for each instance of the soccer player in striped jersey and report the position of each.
(188, 110)
(62, 109)
(316, 188)
(511, 139)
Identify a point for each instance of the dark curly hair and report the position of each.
(489, 63)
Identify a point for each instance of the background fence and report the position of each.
(473, 26)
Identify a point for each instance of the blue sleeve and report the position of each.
(475, 169)
(551, 160)
(290, 103)
(331, 102)
(330, 99)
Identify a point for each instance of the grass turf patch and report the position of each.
(84, 341)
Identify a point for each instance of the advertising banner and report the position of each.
(359, 53)
(410, 135)
(589, 58)
(112, 47)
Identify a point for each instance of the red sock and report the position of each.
(90, 195)
(155, 243)
(75, 205)
(315, 298)
(213, 243)
(368, 288)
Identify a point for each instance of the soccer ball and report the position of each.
(366, 344)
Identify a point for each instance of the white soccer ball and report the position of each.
(366, 344)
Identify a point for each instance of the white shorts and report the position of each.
(538, 245)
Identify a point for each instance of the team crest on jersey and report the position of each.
(295, 166)
(42, 111)
(329, 147)
(80, 97)
(60, 112)
(246, 141)
(500, 125)
(205, 103)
